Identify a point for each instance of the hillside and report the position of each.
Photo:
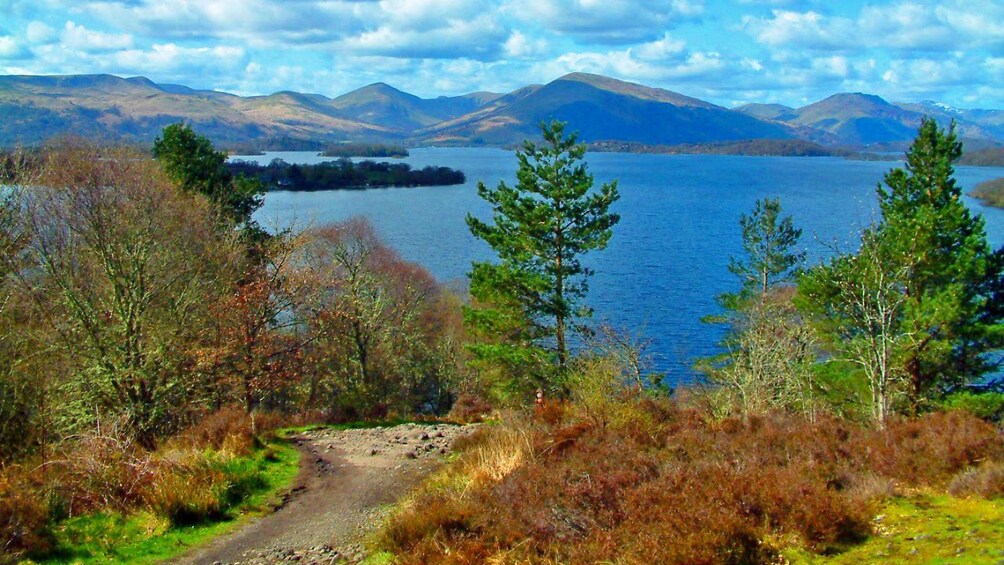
(36, 108)
(857, 119)
(386, 106)
(604, 109)
(33, 109)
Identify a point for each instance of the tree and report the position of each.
(192, 163)
(127, 267)
(860, 298)
(769, 243)
(922, 302)
(540, 229)
(768, 350)
(371, 313)
(953, 284)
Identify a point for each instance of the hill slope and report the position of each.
(602, 108)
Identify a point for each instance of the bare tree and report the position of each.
(130, 266)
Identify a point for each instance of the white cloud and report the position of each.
(604, 21)
(904, 26)
(265, 22)
(808, 29)
(40, 33)
(836, 66)
(519, 45)
(479, 38)
(10, 48)
(169, 57)
(660, 49)
(80, 38)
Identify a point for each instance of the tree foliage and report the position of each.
(126, 268)
(769, 243)
(953, 283)
(191, 162)
(923, 300)
(768, 351)
(380, 344)
(540, 229)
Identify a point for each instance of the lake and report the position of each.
(669, 254)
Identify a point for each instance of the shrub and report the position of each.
(932, 449)
(987, 405)
(469, 408)
(192, 487)
(101, 470)
(24, 516)
(985, 480)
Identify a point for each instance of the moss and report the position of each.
(925, 528)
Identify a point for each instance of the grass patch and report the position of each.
(142, 537)
(925, 528)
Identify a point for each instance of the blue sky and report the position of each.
(791, 52)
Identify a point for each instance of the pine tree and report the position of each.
(540, 229)
(951, 279)
(921, 305)
(192, 163)
(767, 350)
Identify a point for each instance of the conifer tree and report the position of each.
(951, 279)
(540, 228)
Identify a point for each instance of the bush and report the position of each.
(192, 487)
(985, 480)
(643, 482)
(932, 449)
(24, 516)
(101, 471)
(469, 408)
(986, 405)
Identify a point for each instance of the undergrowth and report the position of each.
(104, 499)
(642, 480)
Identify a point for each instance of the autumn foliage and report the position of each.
(672, 484)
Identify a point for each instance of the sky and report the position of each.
(791, 52)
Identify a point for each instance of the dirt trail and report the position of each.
(347, 478)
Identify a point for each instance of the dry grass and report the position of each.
(639, 480)
(197, 475)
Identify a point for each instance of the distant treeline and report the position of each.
(364, 150)
(991, 192)
(751, 147)
(344, 174)
(989, 157)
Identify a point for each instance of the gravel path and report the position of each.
(347, 479)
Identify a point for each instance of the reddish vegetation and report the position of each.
(671, 485)
(191, 478)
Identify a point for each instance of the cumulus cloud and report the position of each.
(906, 26)
(78, 37)
(807, 30)
(479, 38)
(607, 22)
(255, 21)
(520, 45)
(39, 33)
(10, 48)
(169, 58)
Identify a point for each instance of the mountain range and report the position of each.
(36, 108)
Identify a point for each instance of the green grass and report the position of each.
(145, 538)
(926, 528)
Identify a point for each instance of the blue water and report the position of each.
(679, 226)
